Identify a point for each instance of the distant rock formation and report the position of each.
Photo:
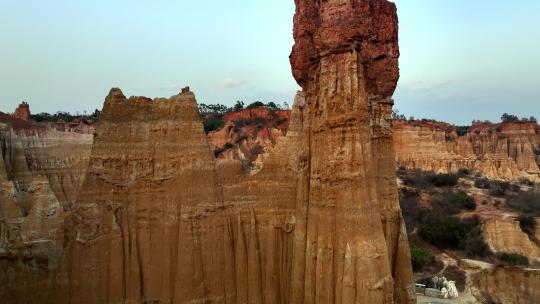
(508, 285)
(501, 151)
(22, 112)
(504, 151)
(41, 170)
(506, 236)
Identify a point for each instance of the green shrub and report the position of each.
(462, 130)
(501, 188)
(445, 231)
(474, 244)
(495, 187)
(525, 202)
(421, 258)
(409, 202)
(525, 182)
(211, 125)
(463, 172)
(445, 180)
(513, 259)
(451, 203)
(527, 223)
(464, 201)
(425, 180)
(481, 183)
(256, 104)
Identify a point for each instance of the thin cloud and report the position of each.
(229, 83)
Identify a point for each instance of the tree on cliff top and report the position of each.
(508, 118)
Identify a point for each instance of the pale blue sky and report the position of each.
(461, 59)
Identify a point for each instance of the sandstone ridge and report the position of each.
(158, 218)
(507, 151)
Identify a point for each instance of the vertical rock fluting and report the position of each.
(41, 170)
(346, 60)
(160, 220)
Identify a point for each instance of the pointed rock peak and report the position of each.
(116, 94)
(22, 111)
(186, 90)
(299, 100)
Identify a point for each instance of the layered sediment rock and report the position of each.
(159, 219)
(508, 285)
(22, 112)
(506, 151)
(346, 60)
(250, 134)
(506, 236)
(500, 151)
(41, 170)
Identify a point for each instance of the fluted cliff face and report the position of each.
(41, 170)
(507, 151)
(159, 219)
(150, 215)
(508, 285)
(346, 60)
(506, 236)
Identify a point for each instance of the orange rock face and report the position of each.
(507, 151)
(41, 171)
(506, 236)
(508, 285)
(346, 60)
(159, 219)
(22, 112)
(249, 135)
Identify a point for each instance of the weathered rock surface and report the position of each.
(22, 112)
(346, 60)
(41, 170)
(508, 285)
(505, 151)
(159, 219)
(500, 151)
(250, 135)
(506, 236)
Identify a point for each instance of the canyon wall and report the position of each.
(159, 219)
(41, 171)
(506, 236)
(499, 151)
(504, 151)
(346, 60)
(508, 285)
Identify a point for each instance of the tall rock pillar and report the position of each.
(353, 245)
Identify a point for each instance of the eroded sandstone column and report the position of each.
(355, 248)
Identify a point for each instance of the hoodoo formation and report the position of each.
(159, 219)
(352, 245)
